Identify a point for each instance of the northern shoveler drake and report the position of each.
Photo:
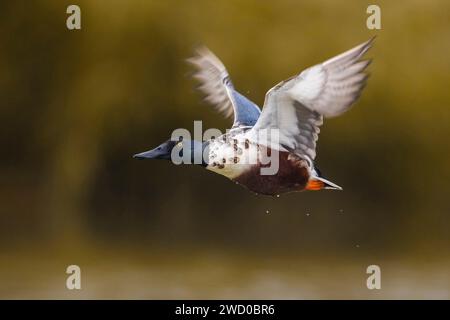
(294, 108)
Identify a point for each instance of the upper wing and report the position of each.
(296, 107)
(216, 84)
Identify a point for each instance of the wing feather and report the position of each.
(216, 85)
(296, 107)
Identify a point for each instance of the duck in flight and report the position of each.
(294, 109)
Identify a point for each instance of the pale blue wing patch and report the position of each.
(216, 85)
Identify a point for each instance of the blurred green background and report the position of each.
(75, 105)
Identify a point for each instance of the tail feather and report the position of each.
(319, 183)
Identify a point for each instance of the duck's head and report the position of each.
(181, 151)
(163, 151)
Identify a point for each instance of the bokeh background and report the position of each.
(75, 105)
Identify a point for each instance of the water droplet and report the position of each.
(307, 214)
(357, 245)
(341, 210)
(267, 211)
(278, 195)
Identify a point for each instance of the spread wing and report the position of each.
(216, 84)
(296, 106)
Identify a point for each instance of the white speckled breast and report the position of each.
(232, 154)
